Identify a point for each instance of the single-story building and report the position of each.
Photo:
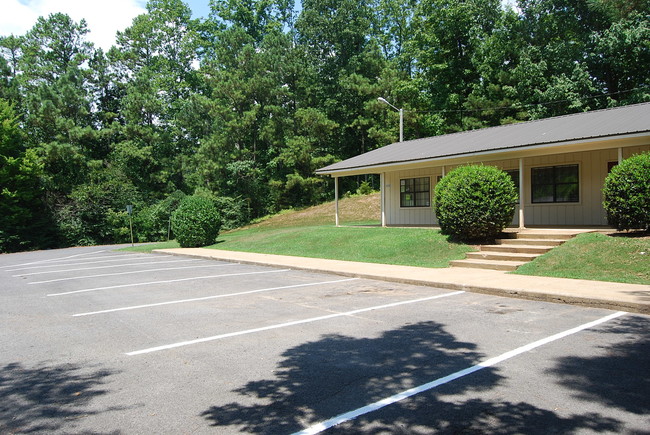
(559, 165)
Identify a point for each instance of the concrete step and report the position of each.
(501, 256)
(520, 249)
(543, 235)
(488, 264)
(531, 242)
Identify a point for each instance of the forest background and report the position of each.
(244, 105)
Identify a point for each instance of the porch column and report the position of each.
(443, 171)
(336, 200)
(382, 189)
(620, 155)
(521, 194)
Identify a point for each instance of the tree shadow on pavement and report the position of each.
(620, 376)
(319, 380)
(46, 398)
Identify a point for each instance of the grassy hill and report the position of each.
(363, 209)
(311, 233)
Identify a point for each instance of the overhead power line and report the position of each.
(523, 106)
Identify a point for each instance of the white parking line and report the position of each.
(129, 273)
(324, 425)
(135, 307)
(113, 259)
(104, 267)
(165, 282)
(287, 324)
(53, 259)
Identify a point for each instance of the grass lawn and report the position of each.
(405, 246)
(596, 256)
(311, 233)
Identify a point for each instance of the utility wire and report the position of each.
(523, 106)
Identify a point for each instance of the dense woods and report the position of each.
(241, 107)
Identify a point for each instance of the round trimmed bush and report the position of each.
(196, 222)
(627, 194)
(475, 202)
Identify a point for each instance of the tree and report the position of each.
(21, 210)
(619, 57)
(446, 36)
(10, 53)
(155, 66)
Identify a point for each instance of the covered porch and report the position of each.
(559, 166)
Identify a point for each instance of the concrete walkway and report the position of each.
(599, 294)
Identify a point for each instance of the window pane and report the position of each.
(566, 174)
(542, 175)
(543, 193)
(422, 199)
(407, 200)
(567, 193)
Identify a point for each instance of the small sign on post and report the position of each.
(129, 210)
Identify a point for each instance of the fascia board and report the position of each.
(590, 144)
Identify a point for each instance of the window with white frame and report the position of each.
(555, 184)
(415, 192)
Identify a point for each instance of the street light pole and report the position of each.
(401, 117)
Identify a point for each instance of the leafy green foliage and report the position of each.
(196, 222)
(627, 194)
(246, 103)
(21, 209)
(475, 202)
(95, 212)
(153, 223)
(234, 212)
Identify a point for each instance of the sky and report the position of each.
(104, 18)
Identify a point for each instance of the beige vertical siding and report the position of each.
(588, 211)
(396, 215)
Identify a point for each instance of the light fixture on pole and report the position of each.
(401, 117)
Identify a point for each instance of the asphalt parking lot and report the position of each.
(98, 341)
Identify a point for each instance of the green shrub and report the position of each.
(151, 224)
(196, 222)
(627, 194)
(365, 188)
(475, 202)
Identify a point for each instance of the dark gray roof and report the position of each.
(544, 132)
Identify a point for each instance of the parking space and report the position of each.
(95, 340)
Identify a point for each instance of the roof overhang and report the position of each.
(590, 144)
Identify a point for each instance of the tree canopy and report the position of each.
(243, 105)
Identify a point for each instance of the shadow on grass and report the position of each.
(619, 377)
(630, 234)
(46, 398)
(322, 379)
